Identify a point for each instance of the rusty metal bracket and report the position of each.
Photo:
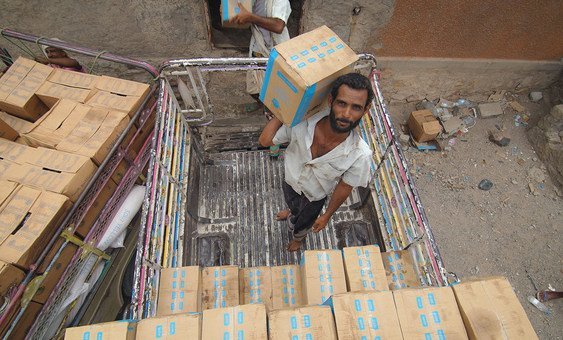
(86, 247)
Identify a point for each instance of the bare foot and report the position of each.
(283, 215)
(294, 245)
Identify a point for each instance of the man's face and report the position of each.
(347, 109)
(53, 52)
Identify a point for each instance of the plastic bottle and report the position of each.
(539, 305)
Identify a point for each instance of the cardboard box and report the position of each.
(24, 324)
(118, 94)
(322, 273)
(66, 84)
(241, 322)
(301, 71)
(365, 315)
(10, 278)
(230, 9)
(116, 330)
(95, 209)
(424, 126)
(53, 276)
(56, 124)
(181, 326)
(27, 220)
(430, 312)
(179, 291)
(7, 190)
(287, 290)
(95, 134)
(255, 286)
(13, 152)
(313, 322)
(364, 268)
(220, 287)
(73, 79)
(53, 170)
(7, 132)
(18, 124)
(490, 310)
(17, 91)
(400, 270)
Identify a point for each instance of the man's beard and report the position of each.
(334, 125)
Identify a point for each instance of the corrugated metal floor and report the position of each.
(240, 194)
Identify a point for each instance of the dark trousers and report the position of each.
(303, 212)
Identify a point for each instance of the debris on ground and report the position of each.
(536, 96)
(536, 174)
(539, 305)
(452, 125)
(499, 138)
(521, 119)
(490, 109)
(516, 106)
(485, 185)
(497, 96)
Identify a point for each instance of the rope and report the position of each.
(22, 47)
(91, 68)
(37, 43)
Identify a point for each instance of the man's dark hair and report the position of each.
(355, 81)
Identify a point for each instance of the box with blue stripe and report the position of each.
(322, 273)
(229, 9)
(287, 289)
(180, 326)
(365, 315)
(179, 291)
(220, 287)
(255, 286)
(400, 269)
(116, 330)
(364, 269)
(429, 313)
(300, 71)
(302, 323)
(244, 322)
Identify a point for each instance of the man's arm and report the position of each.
(275, 25)
(269, 132)
(65, 61)
(340, 194)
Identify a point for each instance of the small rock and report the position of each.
(498, 138)
(535, 159)
(514, 181)
(485, 185)
(552, 136)
(490, 109)
(452, 125)
(533, 189)
(536, 174)
(497, 96)
(448, 148)
(536, 96)
(404, 138)
(517, 106)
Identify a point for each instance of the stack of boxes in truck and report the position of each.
(56, 129)
(297, 302)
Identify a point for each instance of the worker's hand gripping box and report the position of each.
(364, 315)
(220, 287)
(429, 313)
(230, 9)
(312, 322)
(364, 268)
(116, 330)
(179, 291)
(287, 289)
(300, 72)
(246, 322)
(491, 310)
(255, 285)
(400, 269)
(322, 275)
(180, 326)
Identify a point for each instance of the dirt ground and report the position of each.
(505, 231)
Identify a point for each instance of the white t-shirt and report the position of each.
(280, 9)
(316, 178)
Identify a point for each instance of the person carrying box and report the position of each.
(325, 156)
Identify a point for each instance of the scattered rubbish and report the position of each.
(541, 186)
(513, 181)
(514, 150)
(475, 270)
(539, 305)
(452, 125)
(517, 106)
(533, 189)
(452, 142)
(404, 138)
(427, 146)
(444, 103)
(536, 96)
(485, 185)
(498, 138)
(521, 119)
(549, 287)
(463, 103)
(536, 174)
(448, 148)
(497, 96)
(423, 126)
(469, 121)
(534, 159)
(490, 109)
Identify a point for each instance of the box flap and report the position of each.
(316, 54)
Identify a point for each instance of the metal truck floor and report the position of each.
(240, 194)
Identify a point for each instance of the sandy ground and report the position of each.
(505, 231)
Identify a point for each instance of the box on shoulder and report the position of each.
(287, 288)
(238, 322)
(30, 217)
(116, 330)
(322, 273)
(255, 286)
(490, 310)
(300, 72)
(185, 326)
(179, 291)
(364, 268)
(429, 312)
(369, 315)
(311, 322)
(230, 9)
(220, 287)
(400, 269)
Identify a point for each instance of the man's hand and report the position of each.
(42, 60)
(243, 17)
(320, 223)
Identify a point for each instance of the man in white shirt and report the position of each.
(325, 156)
